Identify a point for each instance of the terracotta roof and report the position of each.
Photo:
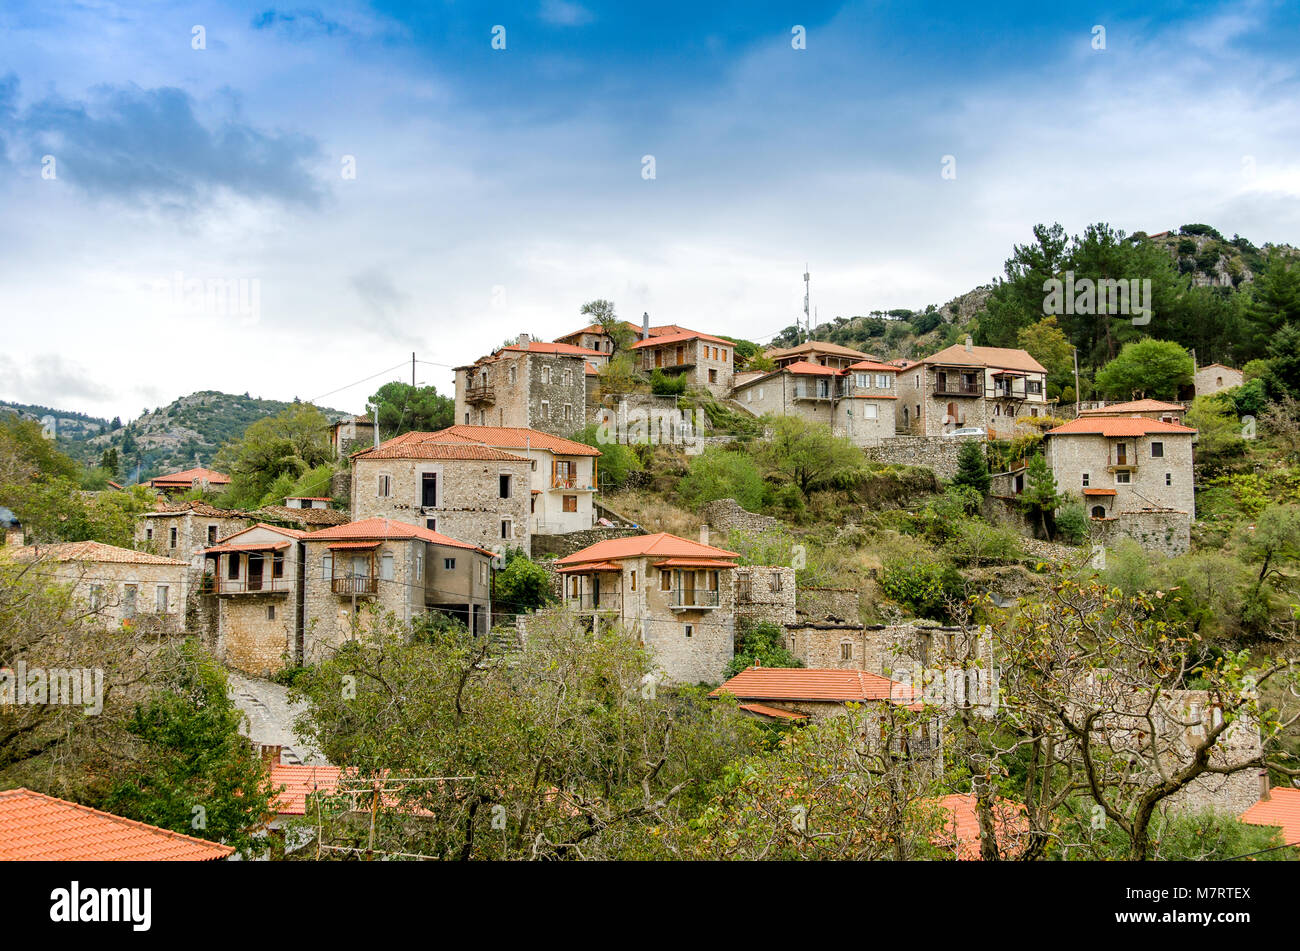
(420, 447)
(590, 566)
(371, 528)
(337, 546)
(304, 516)
(41, 828)
(513, 437)
(91, 551)
(196, 507)
(680, 337)
(298, 783)
(1281, 809)
(799, 683)
(695, 563)
(187, 477)
(540, 346)
(816, 346)
(1222, 366)
(591, 369)
(1099, 492)
(280, 529)
(661, 544)
(1134, 406)
(1007, 358)
(249, 546)
(803, 367)
(873, 365)
(775, 713)
(962, 828)
(1117, 426)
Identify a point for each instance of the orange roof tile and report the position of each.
(816, 346)
(187, 477)
(1281, 809)
(386, 528)
(298, 783)
(91, 551)
(590, 566)
(680, 337)
(873, 365)
(512, 437)
(1099, 492)
(695, 563)
(402, 447)
(1117, 426)
(962, 829)
(250, 546)
(1133, 406)
(42, 828)
(776, 713)
(804, 368)
(540, 346)
(1006, 358)
(800, 683)
(636, 546)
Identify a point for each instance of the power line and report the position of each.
(399, 366)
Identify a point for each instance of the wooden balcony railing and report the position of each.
(355, 585)
(480, 393)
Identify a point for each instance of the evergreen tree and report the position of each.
(1040, 498)
(973, 468)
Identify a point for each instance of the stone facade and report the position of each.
(1169, 532)
(764, 594)
(936, 453)
(182, 531)
(707, 362)
(856, 402)
(351, 434)
(531, 385)
(992, 388)
(726, 515)
(557, 546)
(821, 604)
(470, 501)
(1216, 377)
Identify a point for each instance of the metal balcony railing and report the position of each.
(699, 598)
(958, 389)
(252, 586)
(570, 482)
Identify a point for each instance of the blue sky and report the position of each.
(496, 190)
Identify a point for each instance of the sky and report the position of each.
(290, 200)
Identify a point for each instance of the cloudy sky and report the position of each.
(372, 179)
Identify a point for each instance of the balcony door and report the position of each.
(687, 587)
(255, 561)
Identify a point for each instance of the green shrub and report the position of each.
(926, 587)
(667, 384)
(722, 474)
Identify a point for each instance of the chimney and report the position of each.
(969, 341)
(704, 534)
(645, 325)
(1264, 792)
(523, 341)
(14, 538)
(271, 755)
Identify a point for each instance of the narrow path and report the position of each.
(270, 717)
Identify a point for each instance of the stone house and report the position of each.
(674, 594)
(350, 434)
(819, 353)
(1151, 409)
(856, 401)
(1215, 377)
(459, 488)
(563, 473)
(183, 529)
(398, 567)
(256, 579)
(117, 584)
(1124, 464)
(706, 361)
(594, 336)
(178, 483)
(530, 385)
(992, 388)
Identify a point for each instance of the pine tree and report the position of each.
(1040, 498)
(973, 467)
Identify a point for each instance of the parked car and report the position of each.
(967, 431)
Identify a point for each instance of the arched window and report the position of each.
(1099, 511)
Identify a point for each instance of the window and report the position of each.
(1085, 480)
(846, 650)
(870, 411)
(546, 409)
(431, 524)
(665, 580)
(633, 580)
(1099, 511)
(212, 534)
(1033, 387)
(385, 487)
(776, 582)
(503, 485)
(277, 564)
(513, 376)
(96, 596)
(1123, 478)
(429, 489)
(861, 380)
(327, 566)
(1169, 478)
(160, 598)
(713, 375)
(270, 612)
(386, 566)
(1157, 450)
(567, 377)
(232, 567)
(690, 629)
(724, 355)
(546, 374)
(568, 411)
(883, 381)
(419, 566)
(570, 503)
(148, 534)
(171, 538)
(129, 595)
(507, 528)
(574, 584)
(449, 564)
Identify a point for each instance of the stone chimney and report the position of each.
(969, 341)
(1264, 792)
(14, 538)
(645, 325)
(271, 755)
(524, 341)
(704, 534)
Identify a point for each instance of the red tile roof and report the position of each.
(298, 783)
(419, 446)
(816, 346)
(1004, 358)
(42, 828)
(1117, 426)
(682, 336)
(1099, 492)
(962, 828)
(873, 365)
(386, 528)
(540, 346)
(1281, 809)
(512, 437)
(661, 545)
(775, 713)
(91, 551)
(187, 477)
(1134, 406)
(804, 368)
(800, 683)
(590, 566)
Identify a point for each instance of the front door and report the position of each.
(255, 572)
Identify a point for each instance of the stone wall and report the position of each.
(821, 604)
(1169, 532)
(726, 515)
(764, 593)
(936, 453)
(558, 546)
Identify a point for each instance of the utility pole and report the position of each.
(1077, 395)
(412, 369)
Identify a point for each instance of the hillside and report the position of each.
(162, 440)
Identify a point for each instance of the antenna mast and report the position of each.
(807, 287)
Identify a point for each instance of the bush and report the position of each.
(722, 474)
(925, 587)
(1072, 523)
(523, 585)
(761, 644)
(976, 541)
(665, 384)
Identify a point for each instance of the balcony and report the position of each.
(958, 389)
(480, 393)
(572, 484)
(587, 601)
(355, 585)
(250, 586)
(694, 600)
(813, 394)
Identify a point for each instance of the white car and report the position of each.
(967, 431)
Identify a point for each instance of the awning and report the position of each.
(763, 710)
(1009, 373)
(248, 546)
(695, 563)
(589, 567)
(353, 545)
(1099, 492)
